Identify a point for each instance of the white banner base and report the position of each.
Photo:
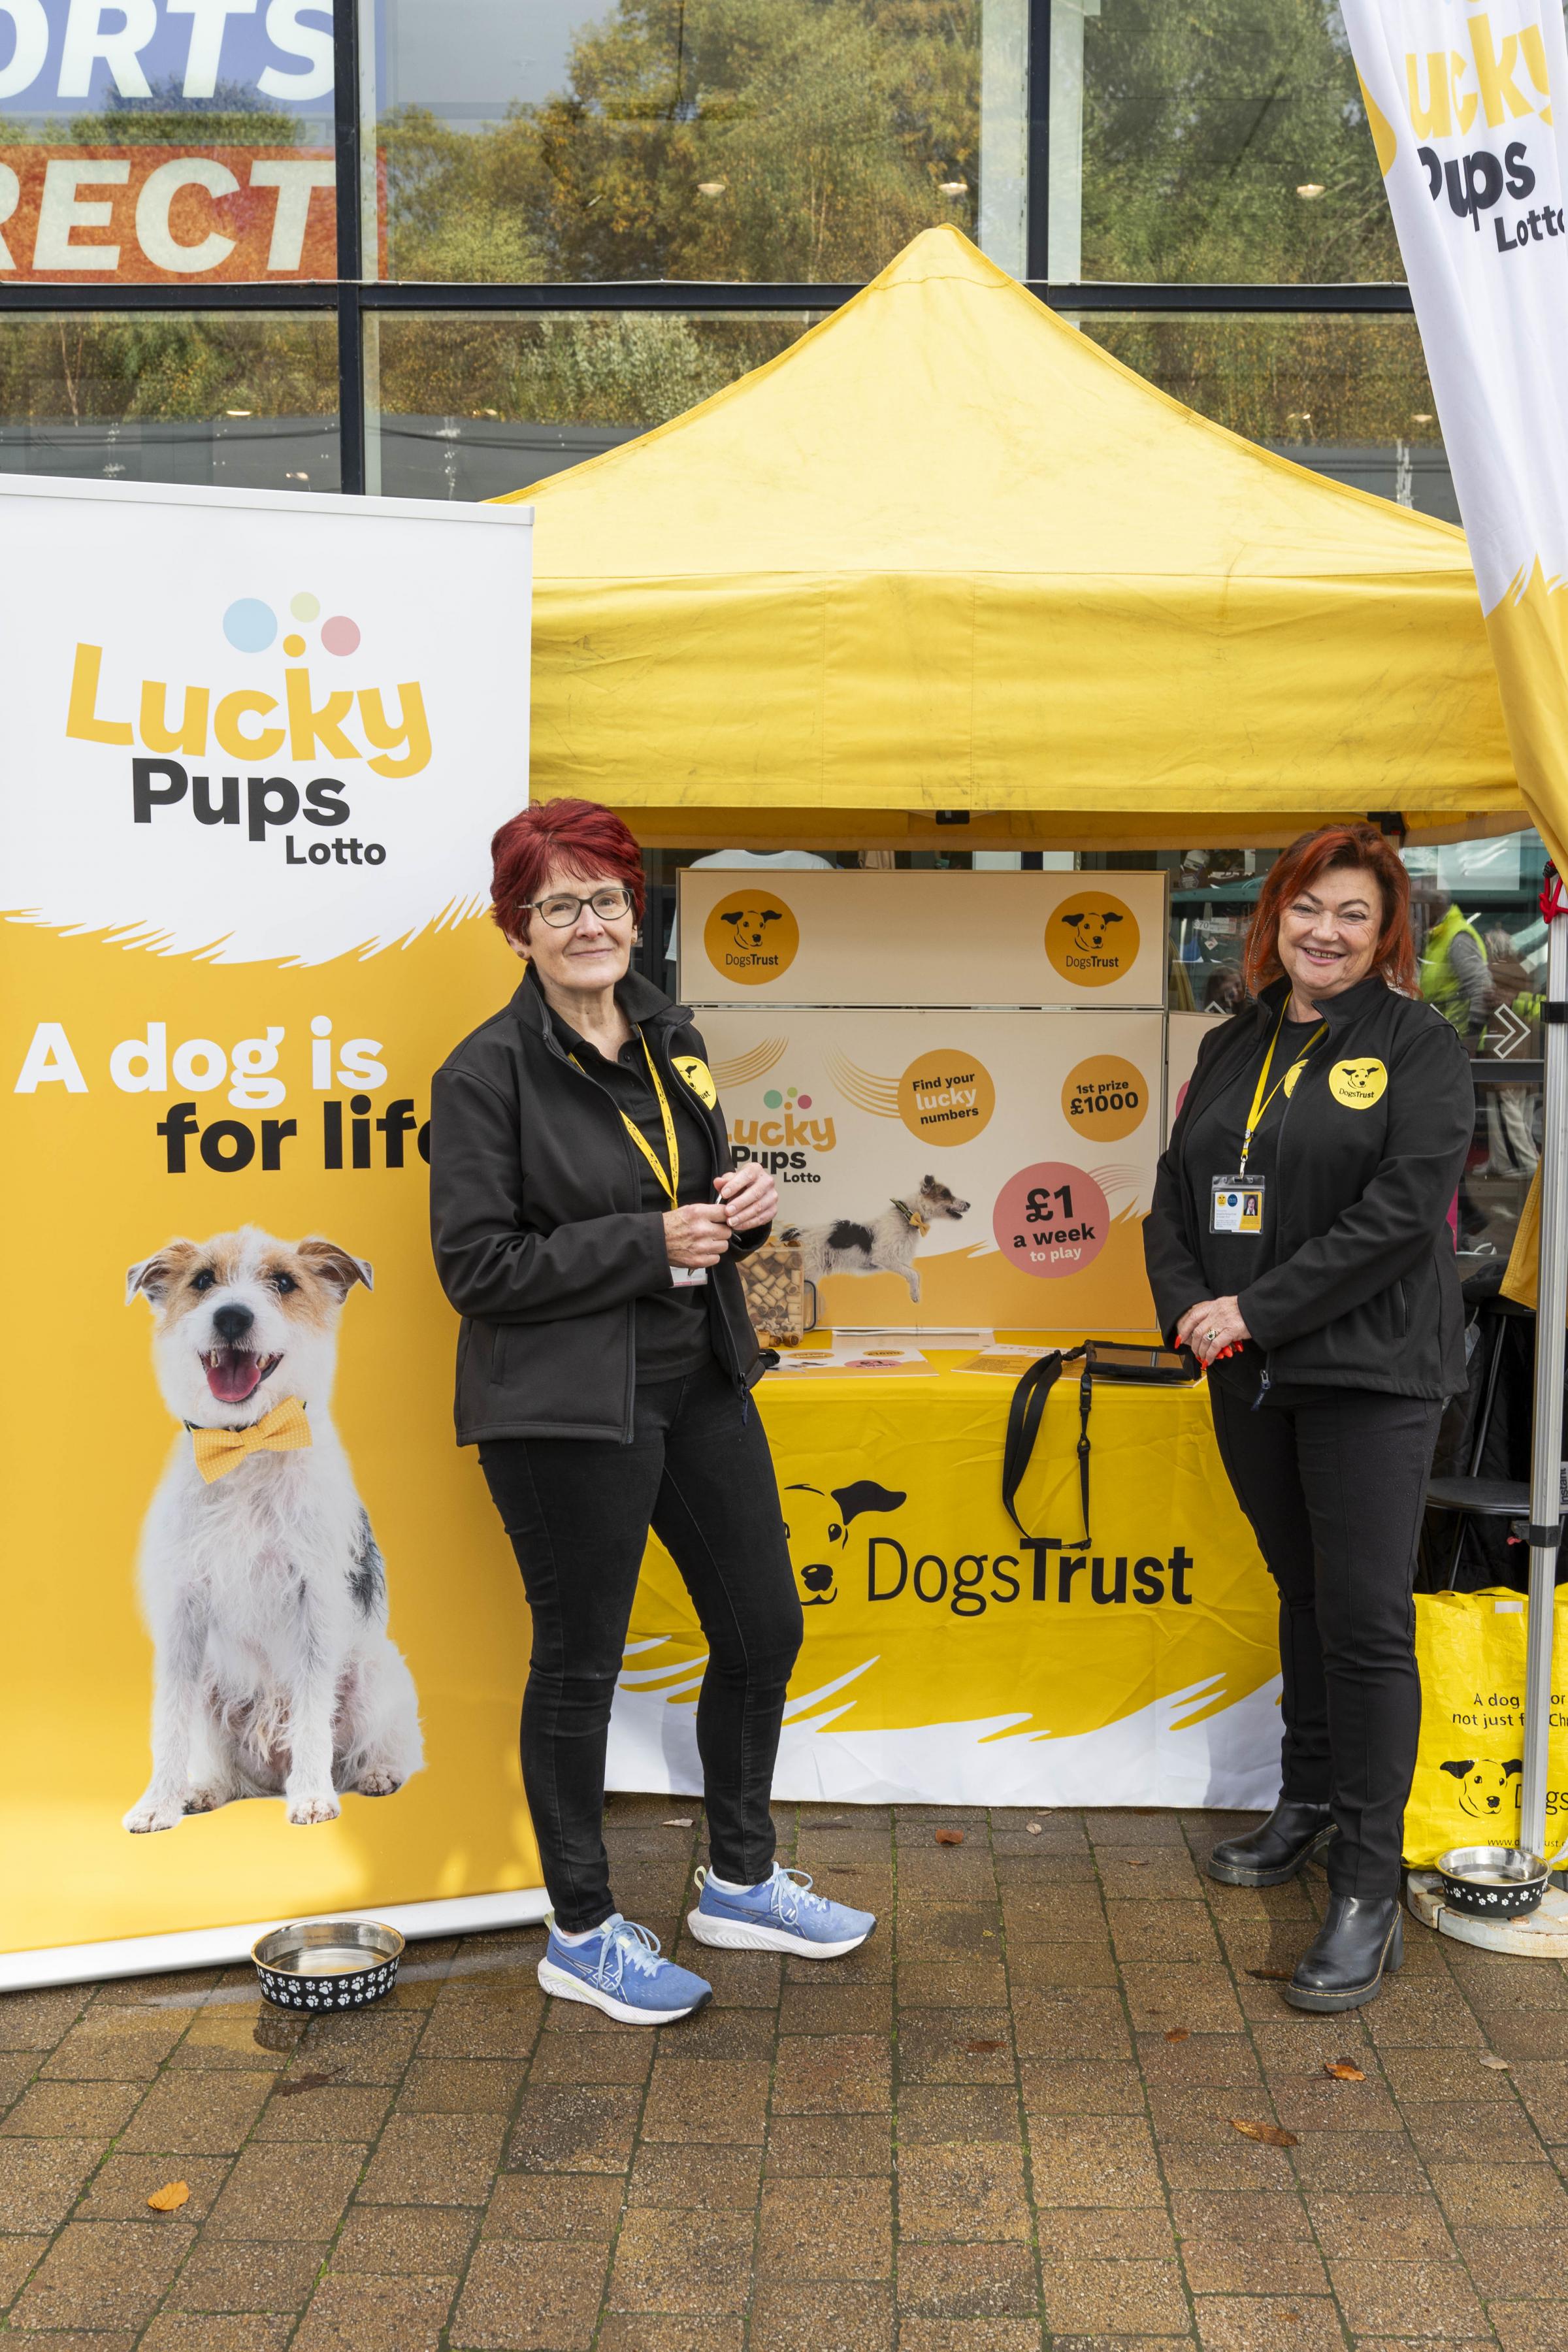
(219, 1947)
(1227, 1761)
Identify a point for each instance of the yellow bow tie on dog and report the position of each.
(282, 1431)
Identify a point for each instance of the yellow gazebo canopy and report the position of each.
(944, 552)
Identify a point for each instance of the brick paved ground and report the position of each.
(1004, 2125)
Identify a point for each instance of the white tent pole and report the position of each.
(1546, 1440)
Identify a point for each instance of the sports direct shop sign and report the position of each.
(94, 205)
(255, 747)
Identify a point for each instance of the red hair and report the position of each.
(1335, 846)
(575, 837)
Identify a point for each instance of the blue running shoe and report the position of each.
(783, 1915)
(620, 1970)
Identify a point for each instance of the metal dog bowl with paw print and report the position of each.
(322, 1965)
(1493, 1882)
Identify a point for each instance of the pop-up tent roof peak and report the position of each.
(946, 552)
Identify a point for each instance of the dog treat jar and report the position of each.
(774, 1280)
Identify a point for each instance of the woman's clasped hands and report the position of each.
(1212, 1329)
(699, 1234)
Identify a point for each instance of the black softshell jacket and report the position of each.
(540, 1242)
(1363, 1292)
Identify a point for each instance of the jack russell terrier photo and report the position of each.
(262, 1585)
(884, 1245)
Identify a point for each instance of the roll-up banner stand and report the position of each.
(256, 745)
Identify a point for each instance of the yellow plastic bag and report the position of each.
(1469, 1647)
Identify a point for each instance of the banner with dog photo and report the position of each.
(954, 1168)
(255, 747)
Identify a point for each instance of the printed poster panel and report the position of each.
(880, 938)
(947, 1660)
(264, 1638)
(1184, 1033)
(955, 1168)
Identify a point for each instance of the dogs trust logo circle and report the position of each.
(1358, 1085)
(1106, 1098)
(946, 1097)
(1091, 939)
(750, 937)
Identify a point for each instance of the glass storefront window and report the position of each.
(244, 401)
(1220, 144)
(166, 145)
(465, 407)
(551, 140)
(1348, 396)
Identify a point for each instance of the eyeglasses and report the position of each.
(563, 911)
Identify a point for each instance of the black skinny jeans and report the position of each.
(1334, 1485)
(578, 1512)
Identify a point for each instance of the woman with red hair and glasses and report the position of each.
(586, 1220)
(1299, 1245)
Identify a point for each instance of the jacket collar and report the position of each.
(639, 999)
(1351, 1004)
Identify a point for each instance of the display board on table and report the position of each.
(954, 1168)
(879, 938)
(955, 1079)
(255, 747)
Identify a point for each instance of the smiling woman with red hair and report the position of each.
(586, 1218)
(1299, 1243)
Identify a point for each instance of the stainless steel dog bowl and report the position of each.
(323, 1964)
(1493, 1882)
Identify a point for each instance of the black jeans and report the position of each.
(1334, 1484)
(578, 1512)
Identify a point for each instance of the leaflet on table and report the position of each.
(1002, 1363)
(799, 1363)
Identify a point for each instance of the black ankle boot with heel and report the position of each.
(1362, 1940)
(1277, 1849)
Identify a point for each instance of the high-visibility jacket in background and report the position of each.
(1457, 993)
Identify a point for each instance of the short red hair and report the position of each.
(575, 837)
(1298, 867)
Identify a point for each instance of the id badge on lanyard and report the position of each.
(1235, 1204)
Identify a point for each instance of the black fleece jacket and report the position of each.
(541, 1240)
(1363, 1292)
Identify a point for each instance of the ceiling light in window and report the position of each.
(239, 412)
(711, 187)
(953, 188)
(1309, 188)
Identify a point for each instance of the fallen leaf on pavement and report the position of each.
(1269, 2134)
(292, 2085)
(980, 2049)
(1272, 1976)
(1342, 2072)
(1497, 2065)
(1033, 1828)
(950, 1837)
(171, 2197)
(1179, 2033)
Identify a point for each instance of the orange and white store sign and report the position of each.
(104, 176)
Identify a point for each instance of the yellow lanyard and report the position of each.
(671, 1182)
(1260, 1101)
